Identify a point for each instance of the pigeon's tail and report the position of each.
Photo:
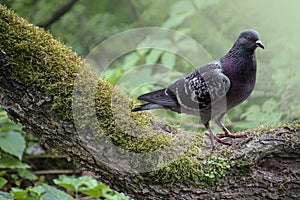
(158, 99)
(147, 106)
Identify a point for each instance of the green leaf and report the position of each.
(66, 182)
(43, 191)
(210, 175)
(3, 181)
(95, 191)
(89, 186)
(24, 173)
(39, 190)
(5, 196)
(72, 183)
(168, 59)
(6, 124)
(178, 13)
(123, 196)
(13, 143)
(104, 191)
(53, 193)
(2, 172)
(108, 193)
(100, 190)
(9, 162)
(153, 56)
(130, 61)
(107, 73)
(19, 193)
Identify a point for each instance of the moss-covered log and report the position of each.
(37, 75)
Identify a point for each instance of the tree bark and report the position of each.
(266, 165)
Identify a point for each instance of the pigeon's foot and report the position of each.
(230, 135)
(221, 141)
(214, 137)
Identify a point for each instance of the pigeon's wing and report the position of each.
(161, 97)
(201, 88)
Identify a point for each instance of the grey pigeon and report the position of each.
(211, 90)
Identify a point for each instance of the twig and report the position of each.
(58, 14)
(61, 171)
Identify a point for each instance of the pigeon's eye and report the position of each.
(248, 37)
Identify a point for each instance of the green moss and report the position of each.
(187, 167)
(184, 168)
(243, 167)
(294, 125)
(39, 60)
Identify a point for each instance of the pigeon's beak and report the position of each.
(259, 44)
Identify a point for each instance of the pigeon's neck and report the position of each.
(238, 51)
(239, 59)
(239, 65)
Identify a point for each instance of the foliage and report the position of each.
(11, 139)
(89, 186)
(12, 144)
(44, 191)
(85, 184)
(217, 169)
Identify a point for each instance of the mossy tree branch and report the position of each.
(37, 77)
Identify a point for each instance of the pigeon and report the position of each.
(212, 89)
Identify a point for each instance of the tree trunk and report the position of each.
(37, 75)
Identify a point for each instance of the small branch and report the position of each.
(195, 6)
(62, 171)
(133, 10)
(52, 156)
(58, 14)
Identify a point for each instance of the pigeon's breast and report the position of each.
(239, 92)
(242, 85)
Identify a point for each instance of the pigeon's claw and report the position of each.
(221, 141)
(214, 137)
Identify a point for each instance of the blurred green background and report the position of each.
(215, 24)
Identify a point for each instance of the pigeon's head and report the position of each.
(249, 39)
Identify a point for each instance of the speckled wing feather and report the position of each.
(201, 88)
(195, 92)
